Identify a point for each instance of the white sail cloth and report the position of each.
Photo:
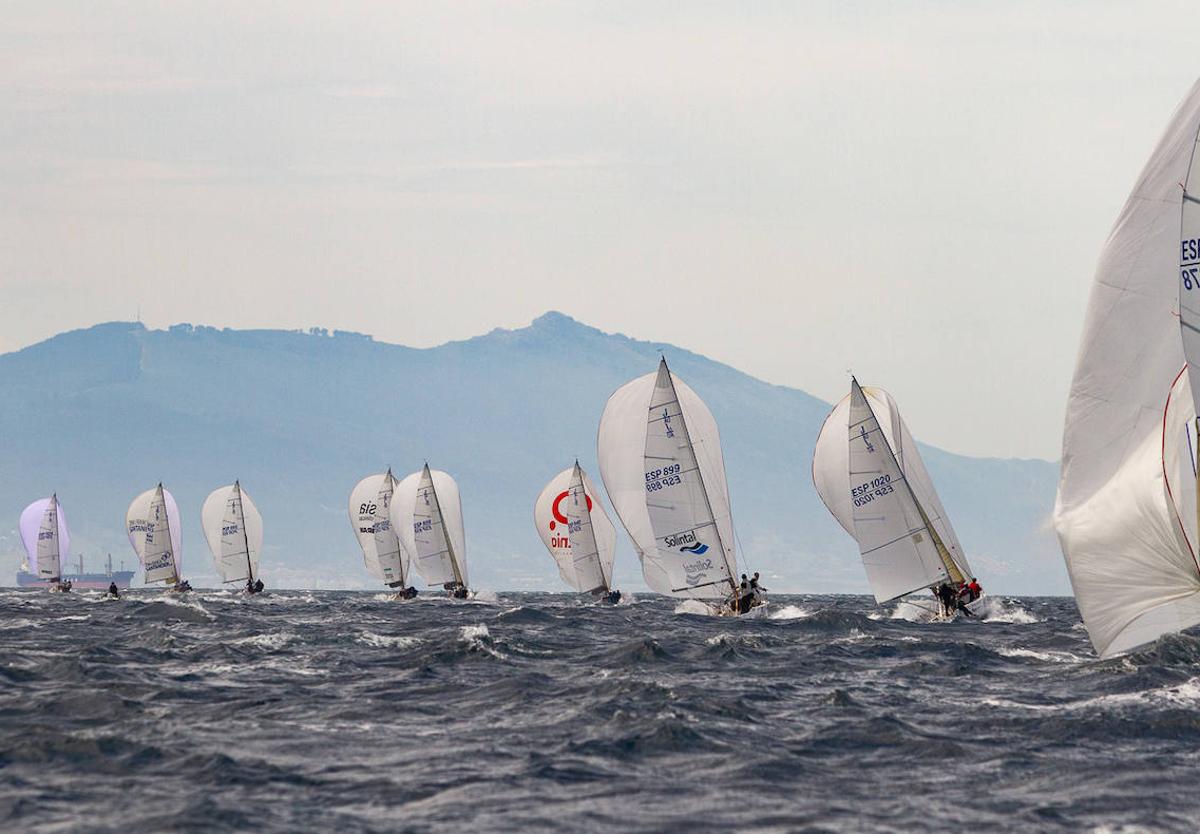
(148, 515)
(234, 530)
(660, 460)
(43, 560)
(571, 520)
(427, 514)
(1126, 544)
(371, 518)
(896, 573)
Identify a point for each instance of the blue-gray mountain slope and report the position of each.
(103, 413)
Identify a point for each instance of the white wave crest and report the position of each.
(271, 640)
(915, 612)
(1000, 610)
(1047, 656)
(789, 612)
(478, 638)
(386, 640)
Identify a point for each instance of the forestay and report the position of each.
(43, 528)
(906, 566)
(1129, 547)
(234, 530)
(371, 517)
(660, 460)
(571, 520)
(427, 515)
(152, 522)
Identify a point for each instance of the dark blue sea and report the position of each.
(346, 712)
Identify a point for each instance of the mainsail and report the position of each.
(868, 471)
(660, 459)
(427, 514)
(1126, 512)
(44, 534)
(370, 515)
(576, 530)
(152, 522)
(234, 530)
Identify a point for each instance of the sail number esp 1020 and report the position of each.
(657, 479)
(864, 494)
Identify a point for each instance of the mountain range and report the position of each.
(100, 414)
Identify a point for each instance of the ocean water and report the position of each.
(346, 712)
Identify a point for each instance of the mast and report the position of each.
(166, 518)
(687, 443)
(390, 482)
(52, 517)
(237, 492)
(108, 565)
(948, 562)
(577, 478)
(445, 535)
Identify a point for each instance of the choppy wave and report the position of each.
(539, 712)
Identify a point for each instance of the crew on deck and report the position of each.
(745, 597)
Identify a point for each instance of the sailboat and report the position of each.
(1126, 508)
(152, 521)
(427, 514)
(660, 460)
(370, 516)
(576, 530)
(234, 530)
(44, 534)
(868, 471)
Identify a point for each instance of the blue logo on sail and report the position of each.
(863, 431)
(698, 548)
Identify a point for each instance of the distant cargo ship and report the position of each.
(80, 580)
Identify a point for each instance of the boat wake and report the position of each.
(1000, 610)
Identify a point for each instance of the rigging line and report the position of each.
(739, 558)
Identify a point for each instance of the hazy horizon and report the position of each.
(917, 192)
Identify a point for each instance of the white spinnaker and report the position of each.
(831, 468)
(631, 437)
(234, 530)
(427, 514)
(371, 517)
(153, 524)
(575, 528)
(898, 551)
(1133, 572)
(31, 525)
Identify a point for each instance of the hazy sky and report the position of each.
(916, 191)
